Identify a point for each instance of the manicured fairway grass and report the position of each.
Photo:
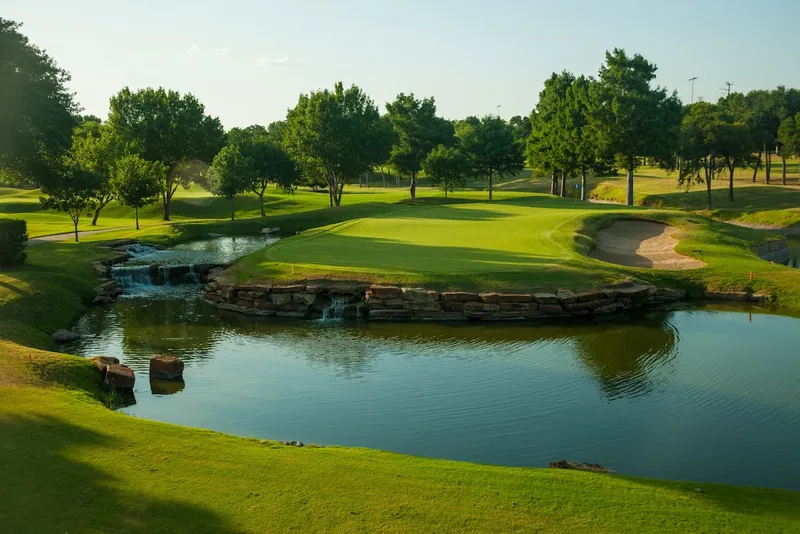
(193, 204)
(754, 203)
(525, 243)
(69, 464)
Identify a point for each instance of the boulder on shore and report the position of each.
(64, 336)
(102, 362)
(166, 367)
(566, 464)
(118, 377)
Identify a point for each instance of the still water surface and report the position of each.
(689, 394)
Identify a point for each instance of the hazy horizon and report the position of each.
(249, 63)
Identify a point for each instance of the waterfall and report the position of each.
(336, 310)
(129, 277)
(191, 277)
(136, 250)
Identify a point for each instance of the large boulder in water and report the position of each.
(65, 336)
(166, 367)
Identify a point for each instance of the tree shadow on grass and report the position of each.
(46, 489)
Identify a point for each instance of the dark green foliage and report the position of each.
(136, 182)
(170, 128)
(490, 146)
(37, 110)
(74, 193)
(231, 173)
(13, 238)
(447, 167)
(338, 135)
(629, 118)
(271, 164)
(418, 131)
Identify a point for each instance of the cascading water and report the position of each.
(336, 310)
(136, 250)
(191, 277)
(133, 276)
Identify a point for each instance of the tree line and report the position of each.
(157, 140)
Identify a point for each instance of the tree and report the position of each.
(231, 174)
(548, 148)
(96, 147)
(789, 138)
(700, 145)
(337, 134)
(164, 126)
(37, 111)
(735, 145)
(489, 144)
(418, 131)
(521, 128)
(629, 118)
(447, 167)
(74, 192)
(136, 182)
(270, 162)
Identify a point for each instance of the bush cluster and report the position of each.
(13, 238)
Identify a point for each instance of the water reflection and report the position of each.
(623, 355)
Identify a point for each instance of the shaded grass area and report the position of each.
(526, 243)
(91, 469)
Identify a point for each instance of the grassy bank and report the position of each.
(70, 464)
(531, 242)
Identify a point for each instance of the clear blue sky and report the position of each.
(249, 60)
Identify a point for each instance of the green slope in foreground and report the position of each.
(71, 465)
(526, 243)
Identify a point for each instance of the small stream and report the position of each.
(707, 393)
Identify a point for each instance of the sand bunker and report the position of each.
(642, 244)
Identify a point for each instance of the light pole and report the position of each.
(692, 80)
(498, 110)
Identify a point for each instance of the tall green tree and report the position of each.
(418, 130)
(789, 138)
(492, 151)
(549, 148)
(735, 147)
(271, 164)
(37, 111)
(702, 132)
(630, 118)
(96, 147)
(447, 167)
(170, 128)
(521, 127)
(73, 191)
(136, 182)
(232, 173)
(337, 134)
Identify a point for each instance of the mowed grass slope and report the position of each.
(69, 464)
(193, 204)
(526, 243)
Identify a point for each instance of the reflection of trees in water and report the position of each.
(180, 327)
(625, 357)
(624, 354)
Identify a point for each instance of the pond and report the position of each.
(697, 394)
(794, 253)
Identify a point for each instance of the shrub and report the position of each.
(13, 238)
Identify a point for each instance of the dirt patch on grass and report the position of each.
(642, 244)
